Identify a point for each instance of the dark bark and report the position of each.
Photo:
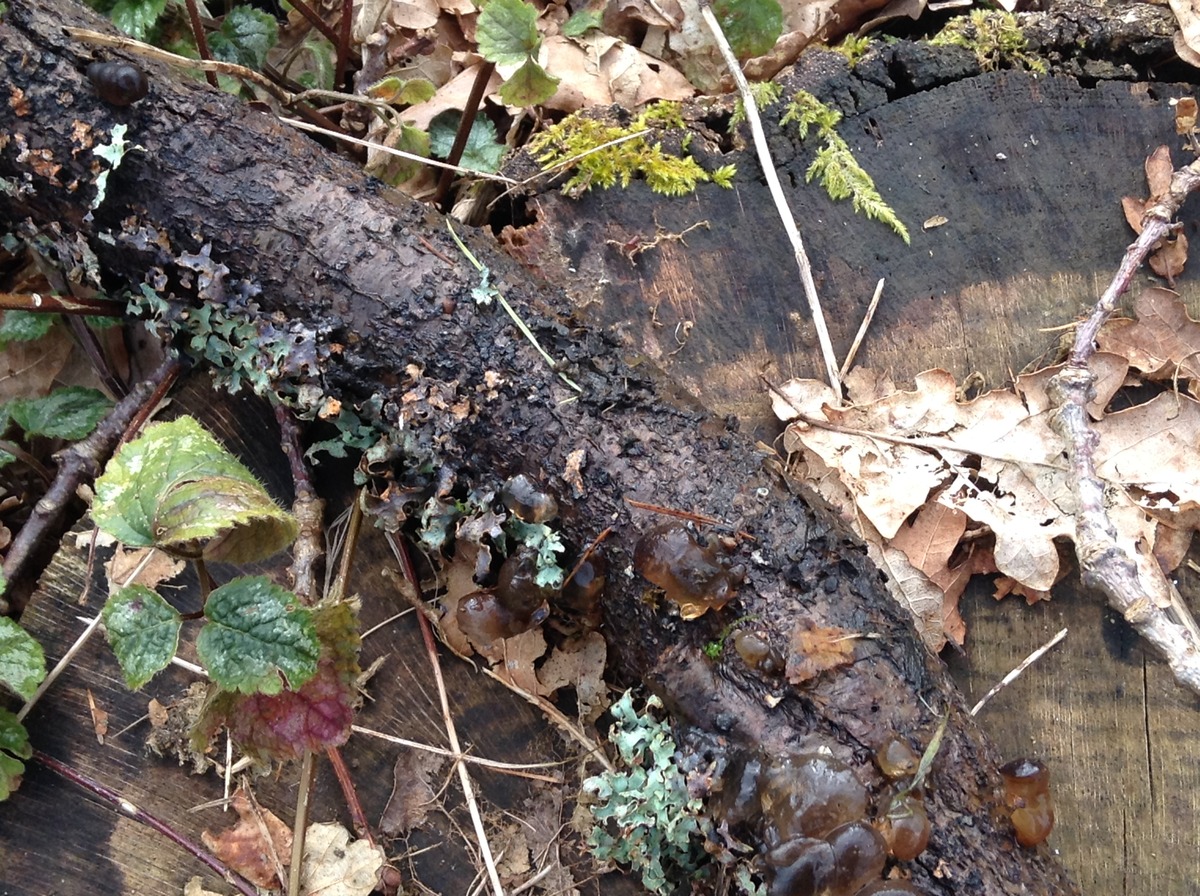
(349, 261)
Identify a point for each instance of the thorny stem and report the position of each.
(201, 41)
(1134, 585)
(125, 807)
(785, 213)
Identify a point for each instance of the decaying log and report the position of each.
(364, 273)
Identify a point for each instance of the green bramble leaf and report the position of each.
(286, 725)
(483, 151)
(176, 488)
(24, 326)
(582, 22)
(14, 746)
(529, 85)
(400, 92)
(22, 663)
(256, 633)
(143, 630)
(750, 26)
(245, 37)
(137, 17)
(69, 413)
(506, 32)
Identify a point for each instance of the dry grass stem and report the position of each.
(862, 329)
(1015, 673)
(521, 769)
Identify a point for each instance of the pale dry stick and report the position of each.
(1139, 590)
(785, 213)
(862, 329)
(308, 768)
(1021, 667)
(520, 769)
(69, 656)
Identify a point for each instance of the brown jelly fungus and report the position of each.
(859, 854)
(118, 83)
(580, 596)
(517, 589)
(482, 619)
(691, 576)
(807, 795)
(889, 888)
(526, 500)
(1027, 795)
(799, 867)
(896, 759)
(905, 827)
(757, 653)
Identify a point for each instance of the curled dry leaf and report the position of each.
(1170, 256)
(814, 649)
(257, 846)
(336, 865)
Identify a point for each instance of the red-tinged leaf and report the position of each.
(318, 715)
(815, 648)
(257, 846)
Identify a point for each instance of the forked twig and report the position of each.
(785, 213)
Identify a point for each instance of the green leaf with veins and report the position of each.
(506, 32)
(69, 413)
(529, 85)
(256, 633)
(24, 326)
(750, 26)
(22, 662)
(245, 37)
(143, 630)
(14, 746)
(483, 150)
(582, 22)
(137, 17)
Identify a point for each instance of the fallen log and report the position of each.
(281, 230)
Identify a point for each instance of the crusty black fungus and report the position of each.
(118, 83)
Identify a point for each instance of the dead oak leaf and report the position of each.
(1162, 342)
(257, 846)
(412, 793)
(1169, 255)
(336, 865)
(815, 649)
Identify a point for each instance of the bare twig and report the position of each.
(862, 329)
(201, 41)
(308, 551)
(785, 213)
(519, 769)
(1130, 581)
(464, 131)
(125, 807)
(1021, 667)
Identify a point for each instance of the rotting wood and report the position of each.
(328, 249)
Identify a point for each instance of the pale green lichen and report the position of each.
(995, 37)
(835, 167)
(644, 816)
(589, 147)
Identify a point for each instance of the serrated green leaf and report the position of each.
(402, 92)
(69, 413)
(529, 85)
(177, 488)
(750, 26)
(257, 632)
(582, 22)
(22, 662)
(14, 746)
(143, 630)
(506, 31)
(483, 151)
(245, 37)
(137, 17)
(24, 326)
(393, 169)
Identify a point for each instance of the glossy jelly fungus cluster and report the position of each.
(1027, 795)
(118, 83)
(516, 605)
(526, 501)
(695, 578)
(902, 820)
(757, 653)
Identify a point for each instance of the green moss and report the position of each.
(835, 167)
(588, 146)
(994, 37)
(766, 94)
(853, 48)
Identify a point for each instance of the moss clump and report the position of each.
(853, 48)
(589, 146)
(835, 167)
(994, 37)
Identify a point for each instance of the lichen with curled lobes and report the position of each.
(582, 141)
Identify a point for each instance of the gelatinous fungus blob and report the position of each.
(1027, 795)
(807, 795)
(905, 826)
(889, 888)
(516, 605)
(859, 853)
(799, 867)
(118, 83)
(896, 759)
(692, 576)
(757, 653)
(527, 501)
(580, 597)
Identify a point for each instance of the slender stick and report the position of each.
(201, 41)
(125, 807)
(308, 768)
(1021, 667)
(785, 213)
(464, 130)
(314, 19)
(862, 329)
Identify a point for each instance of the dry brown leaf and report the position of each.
(1163, 342)
(1186, 112)
(336, 865)
(257, 846)
(581, 667)
(815, 649)
(913, 590)
(1159, 169)
(412, 795)
(1188, 16)
(414, 15)
(99, 718)
(514, 658)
